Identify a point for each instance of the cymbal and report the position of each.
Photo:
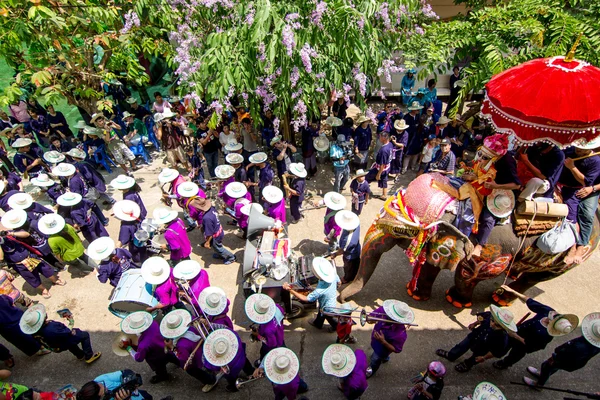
(118, 339)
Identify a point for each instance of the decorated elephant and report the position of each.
(419, 220)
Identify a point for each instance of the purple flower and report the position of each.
(131, 20)
(320, 90)
(371, 115)
(387, 69)
(320, 75)
(419, 30)
(217, 107)
(287, 37)
(384, 15)
(361, 78)
(276, 123)
(294, 77)
(261, 52)
(296, 94)
(317, 14)
(305, 54)
(380, 94)
(250, 16)
(300, 122)
(361, 23)
(427, 11)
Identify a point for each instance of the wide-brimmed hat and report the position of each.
(504, 317)
(334, 201)
(155, 270)
(21, 142)
(164, 215)
(347, 220)
(212, 300)
(323, 269)
(158, 117)
(131, 100)
(32, 319)
(116, 343)
(187, 269)
(122, 182)
(64, 169)
(91, 131)
(501, 202)
(246, 209)
(585, 145)
(443, 120)
(276, 139)
(272, 194)
(258, 158)
(400, 125)
(188, 189)
(76, 153)
(260, 308)
(333, 121)
(415, 105)
(174, 99)
(42, 180)
(168, 114)
(236, 190)
(17, 126)
(127, 114)
(281, 365)
(362, 119)
(96, 116)
(168, 175)
(101, 248)
(338, 360)
(399, 311)
(487, 391)
(127, 210)
(80, 124)
(233, 145)
(321, 143)
(13, 219)
(224, 171)
(68, 199)
(50, 224)
(175, 323)
(20, 201)
(5, 131)
(53, 156)
(220, 347)
(560, 324)
(361, 172)
(234, 158)
(590, 327)
(298, 169)
(136, 322)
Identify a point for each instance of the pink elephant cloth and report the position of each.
(426, 202)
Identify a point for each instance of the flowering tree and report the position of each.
(66, 48)
(289, 56)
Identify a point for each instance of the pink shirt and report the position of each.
(178, 240)
(19, 111)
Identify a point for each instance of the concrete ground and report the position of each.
(440, 324)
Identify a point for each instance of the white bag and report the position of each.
(558, 239)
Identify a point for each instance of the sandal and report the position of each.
(60, 282)
(93, 358)
(442, 353)
(462, 367)
(47, 295)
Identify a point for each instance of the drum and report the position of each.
(149, 226)
(140, 237)
(131, 294)
(158, 240)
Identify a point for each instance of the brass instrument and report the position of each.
(168, 202)
(241, 382)
(254, 335)
(364, 318)
(286, 186)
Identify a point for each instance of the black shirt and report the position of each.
(340, 109)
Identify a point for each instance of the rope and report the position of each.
(521, 243)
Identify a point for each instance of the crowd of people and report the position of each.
(235, 158)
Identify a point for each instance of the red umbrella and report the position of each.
(548, 99)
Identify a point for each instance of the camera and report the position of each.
(130, 381)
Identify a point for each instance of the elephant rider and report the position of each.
(380, 169)
(325, 293)
(488, 338)
(580, 187)
(444, 161)
(545, 162)
(537, 332)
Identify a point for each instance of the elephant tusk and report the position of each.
(407, 222)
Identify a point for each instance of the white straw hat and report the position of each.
(68, 199)
(155, 270)
(487, 391)
(20, 201)
(224, 171)
(101, 248)
(175, 323)
(188, 189)
(64, 169)
(53, 156)
(258, 158)
(347, 220)
(212, 300)
(21, 142)
(168, 175)
(126, 210)
(187, 269)
(585, 145)
(92, 131)
(415, 105)
(136, 322)
(298, 169)
(77, 153)
(501, 202)
(590, 327)
(32, 319)
(50, 224)
(272, 194)
(338, 360)
(236, 190)
(234, 158)
(164, 215)
(122, 182)
(80, 124)
(334, 121)
(220, 347)
(323, 269)
(504, 317)
(246, 209)
(561, 324)
(42, 180)
(13, 219)
(233, 145)
(360, 172)
(281, 365)
(335, 201)
(399, 311)
(260, 308)
(400, 125)
(95, 116)
(321, 143)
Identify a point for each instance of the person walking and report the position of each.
(350, 367)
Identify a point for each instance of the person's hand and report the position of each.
(378, 177)
(490, 185)
(36, 162)
(163, 246)
(287, 286)
(523, 157)
(122, 394)
(584, 192)
(473, 326)
(480, 359)
(507, 289)
(569, 163)
(125, 343)
(379, 337)
(258, 373)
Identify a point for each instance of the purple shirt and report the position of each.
(12, 181)
(166, 292)
(384, 155)
(298, 185)
(92, 176)
(127, 230)
(81, 213)
(329, 223)
(272, 332)
(198, 284)
(238, 362)
(150, 343)
(184, 349)
(211, 225)
(276, 211)
(135, 197)
(223, 318)
(77, 184)
(195, 214)
(37, 211)
(222, 193)
(289, 390)
(178, 240)
(360, 188)
(54, 192)
(265, 177)
(109, 270)
(395, 334)
(4, 199)
(242, 219)
(357, 380)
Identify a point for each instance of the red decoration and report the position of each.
(547, 99)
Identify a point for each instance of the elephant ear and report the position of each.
(448, 247)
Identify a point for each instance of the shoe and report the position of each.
(499, 365)
(312, 323)
(230, 261)
(190, 228)
(403, 171)
(93, 358)
(533, 371)
(158, 378)
(531, 383)
(42, 352)
(369, 372)
(351, 340)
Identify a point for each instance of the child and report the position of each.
(360, 190)
(344, 325)
(196, 172)
(428, 385)
(8, 289)
(429, 150)
(213, 233)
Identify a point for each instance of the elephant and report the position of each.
(445, 247)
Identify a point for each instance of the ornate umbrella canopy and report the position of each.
(554, 100)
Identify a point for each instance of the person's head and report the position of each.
(247, 123)
(32, 114)
(495, 326)
(50, 109)
(158, 97)
(202, 124)
(431, 83)
(456, 70)
(31, 101)
(389, 107)
(430, 110)
(582, 152)
(55, 141)
(189, 150)
(445, 145)
(3, 115)
(134, 105)
(91, 391)
(436, 370)
(314, 124)
(269, 114)
(30, 394)
(341, 138)
(24, 149)
(226, 129)
(384, 137)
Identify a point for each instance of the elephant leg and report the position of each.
(424, 283)
(375, 244)
(461, 294)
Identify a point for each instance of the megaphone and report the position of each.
(259, 222)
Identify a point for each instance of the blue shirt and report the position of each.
(589, 167)
(362, 138)
(550, 165)
(535, 334)
(350, 244)
(574, 354)
(336, 153)
(112, 380)
(325, 293)
(211, 225)
(384, 155)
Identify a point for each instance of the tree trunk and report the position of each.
(288, 131)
